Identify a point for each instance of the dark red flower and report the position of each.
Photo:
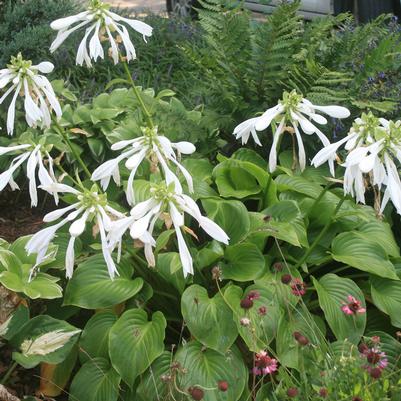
(301, 339)
(286, 278)
(262, 310)
(298, 287)
(222, 385)
(246, 303)
(196, 393)
(376, 372)
(252, 295)
(323, 392)
(363, 348)
(292, 392)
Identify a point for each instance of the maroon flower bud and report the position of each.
(222, 385)
(262, 310)
(292, 392)
(375, 339)
(302, 340)
(196, 393)
(376, 373)
(323, 392)
(267, 218)
(362, 347)
(357, 399)
(246, 303)
(286, 278)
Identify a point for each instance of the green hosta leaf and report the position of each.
(150, 387)
(262, 329)
(135, 342)
(245, 262)
(381, 233)
(358, 251)
(44, 339)
(205, 367)
(169, 267)
(239, 179)
(249, 155)
(14, 322)
(43, 285)
(386, 296)
(92, 288)
(286, 223)
(333, 291)
(298, 184)
(94, 341)
(287, 348)
(231, 216)
(209, 320)
(95, 381)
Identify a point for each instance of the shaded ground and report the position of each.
(17, 218)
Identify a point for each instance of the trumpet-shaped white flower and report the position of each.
(89, 206)
(104, 26)
(157, 149)
(144, 215)
(33, 155)
(37, 91)
(372, 146)
(292, 114)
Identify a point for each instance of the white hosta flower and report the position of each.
(372, 144)
(292, 114)
(89, 206)
(157, 149)
(47, 343)
(39, 97)
(103, 26)
(144, 215)
(33, 155)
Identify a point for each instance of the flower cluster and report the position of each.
(264, 364)
(373, 144)
(39, 97)
(143, 217)
(104, 26)
(292, 114)
(353, 306)
(33, 155)
(157, 149)
(376, 360)
(89, 206)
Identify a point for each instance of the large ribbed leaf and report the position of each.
(333, 291)
(94, 340)
(95, 381)
(263, 326)
(380, 232)
(44, 339)
(150, 387)
(357, 250)
(209, 320)
(232, 216)
(135, 342)
(245, 262)
(205, 367)
(92, 288)
(386, 295)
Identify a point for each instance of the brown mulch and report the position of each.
(17, 218)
